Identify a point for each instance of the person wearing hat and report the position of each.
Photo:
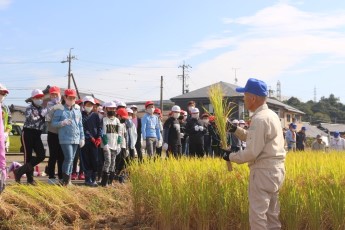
(236, 143)
(242, 124)
(215, 139)
(92, 127)
(6, 115)
(207, 137)
(122, 154)
(337, 142)
(172, 133)
(318, 144)
(3, 171)
(68, 119)
(131, 134)
(182, 120)
(109, 142)
(291, 137)
(150, 130)
(265, 155)
(31, 137)
(196, 131)
(55, 151)
(301, 139)
(137, 122)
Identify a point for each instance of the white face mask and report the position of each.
(2, 98)
(150, 111)
(88, 109)
(190, 108)
(176, 115)
(38, 102)
(130, 117)
(195, 115)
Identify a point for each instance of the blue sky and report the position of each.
(123, 47)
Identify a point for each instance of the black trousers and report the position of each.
(31, 141)
(55, 155)
(176, 151)
(196, 149)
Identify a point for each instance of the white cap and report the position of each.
(235, 121)
(37, 92)
(194, 110)
(133, 106)
(176, 108)
(241, 122)
(121, 103)
(3, 88)
(109, 104)
(129, 110)
(89, 98)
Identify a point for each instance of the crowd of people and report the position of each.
(107, 137)
(94, 142)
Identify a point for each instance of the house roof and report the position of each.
(230, 91)
(332, 127)
(312, 131)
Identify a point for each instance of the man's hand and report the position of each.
(81, 143)
(226, 155)
(231, 128)
(143, 144)
(181, 135)
(159, 143)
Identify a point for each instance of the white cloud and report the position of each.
(4, 4)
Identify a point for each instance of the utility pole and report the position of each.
(69, 59)
(236, 80)
(161, 99)
(184, 75)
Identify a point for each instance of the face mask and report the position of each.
(242, 125)
(122, 120)
(2, 98)
(176, 115)
(110, 113)
(88, 109)
(205, 121)
(135, 112)
(55, 100)
(190, 108)
(150, 111)
(130, 117)
(38, 102)
(195, 115)
(70, 103)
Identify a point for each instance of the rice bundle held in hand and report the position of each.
(222, 110)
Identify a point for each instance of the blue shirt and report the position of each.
(150, 126)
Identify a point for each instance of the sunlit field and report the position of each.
(202, 194)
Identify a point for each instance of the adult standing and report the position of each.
(318, 144)
(68, 119)
(264, 154)
(291, 137)
(31, 137)
(150, 130)
(337, 142)
(301, 139)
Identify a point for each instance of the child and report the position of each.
(172, 133)
(109, 142)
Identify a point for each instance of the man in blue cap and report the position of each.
(337, 142)
(291, 137)
(264, 154)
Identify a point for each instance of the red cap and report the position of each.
(54, 89)
(70, 92)
(97, 102)
(78, 102)
(205, 115)
(157, 110)
(122, 112)
(149, 103)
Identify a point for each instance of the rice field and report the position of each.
(183, 194)
(202, 194)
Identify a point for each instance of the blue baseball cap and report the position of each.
(336, 134)
(304, 128)
(254, 86)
